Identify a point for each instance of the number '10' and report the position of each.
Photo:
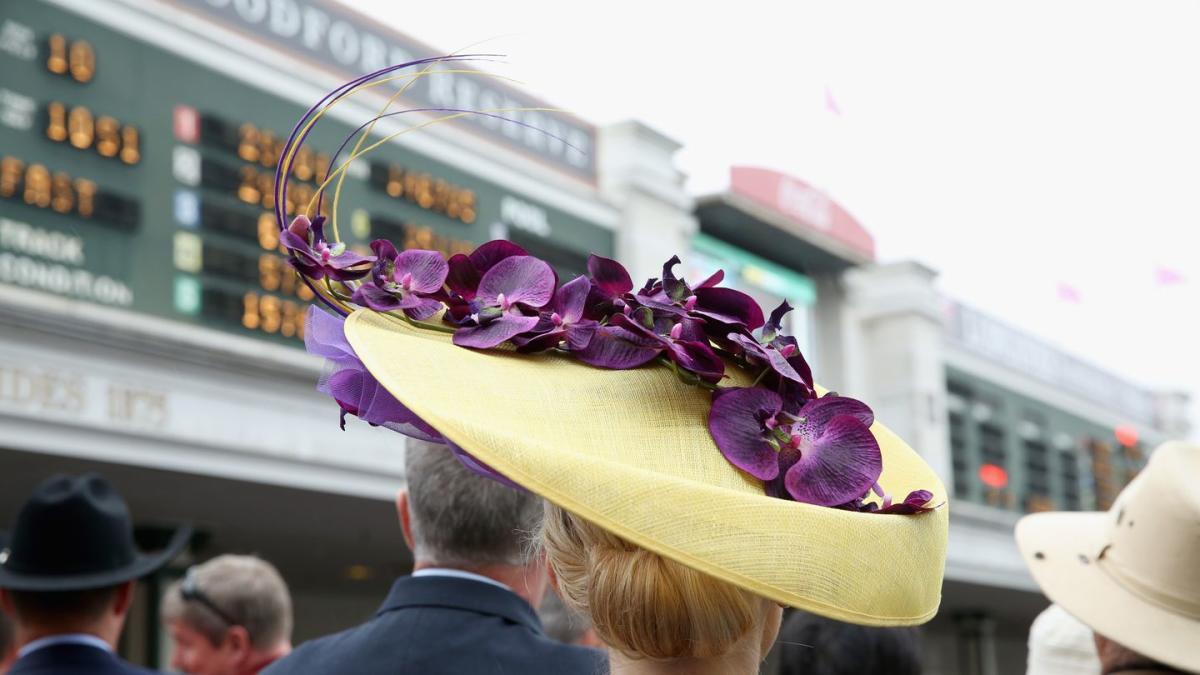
(76, 58)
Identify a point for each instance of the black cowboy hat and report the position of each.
(74, 534)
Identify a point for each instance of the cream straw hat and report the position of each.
(1131, 574)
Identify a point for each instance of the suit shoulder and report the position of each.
(313, 650)
(110, 666)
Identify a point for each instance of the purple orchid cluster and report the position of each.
(802, 446)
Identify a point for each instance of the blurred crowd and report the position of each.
(481, 599)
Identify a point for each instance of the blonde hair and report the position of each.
(639, 602)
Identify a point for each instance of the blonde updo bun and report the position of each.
(639, 602)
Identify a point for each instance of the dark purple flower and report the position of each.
(758, 354)
(728, 306)
(684, 342)
(917, 501)
(724, 307)
(826, 455)
(511, 288)
(562, 320)
(615, 348)
(321, 259)
(774, 324)
(404, 281)
(466, 271)
(610, 283)
(780, 353)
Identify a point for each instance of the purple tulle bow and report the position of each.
(358, 393)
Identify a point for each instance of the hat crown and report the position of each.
(1153, 538)
(72, 525)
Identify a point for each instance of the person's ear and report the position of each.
(405, 518)
(124, 598)
(238, 639)
(551, 575)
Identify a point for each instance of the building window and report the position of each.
(1133, 460)
(1037, 464)
(1104, 487)
(958, 404)
(1068, 463)
(994, 454)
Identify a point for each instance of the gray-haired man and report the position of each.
(230, 616)
(468, 606)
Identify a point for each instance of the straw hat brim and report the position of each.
(630, 451)
(1060, 550)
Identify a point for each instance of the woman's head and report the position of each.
(648, 606)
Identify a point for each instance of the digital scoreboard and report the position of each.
(134, 177)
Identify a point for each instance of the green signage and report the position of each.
(133, 177)
(743, 268)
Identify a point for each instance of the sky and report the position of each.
(1043, 156)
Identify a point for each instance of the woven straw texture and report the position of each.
(630, 451)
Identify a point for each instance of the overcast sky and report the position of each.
(1027, 150)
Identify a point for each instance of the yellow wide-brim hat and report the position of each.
(630, 451)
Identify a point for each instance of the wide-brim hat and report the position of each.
(1132, 574)
(74, 534)
(630, 451)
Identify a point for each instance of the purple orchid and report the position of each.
(466, 273)
(511, 287)
(615, 348)
(321, 259)
(780, 353)
(562, 321)
(917, 501)
(826, 455)
(684, 341)
(610, 282)
(724, 307)
(404, 281)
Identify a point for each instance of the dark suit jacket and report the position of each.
(444, 626)
(71, 659)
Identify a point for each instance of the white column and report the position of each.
(638, 175)
(893, 354)
(1173, 414)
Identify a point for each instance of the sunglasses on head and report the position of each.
(190, 590)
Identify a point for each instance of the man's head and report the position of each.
(229, 616)
(98, 611)
(69, 565)
(455, 518)
(1117, 658)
